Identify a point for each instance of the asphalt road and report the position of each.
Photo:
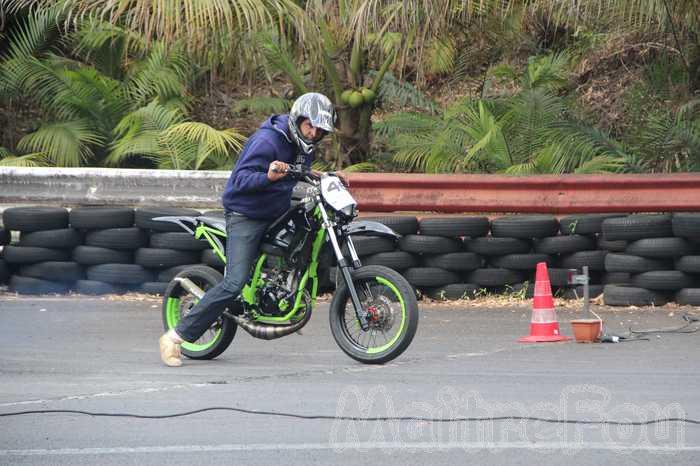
(100, 355)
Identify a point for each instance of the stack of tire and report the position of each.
(456, 257)
(40, 261)
(579, 244)
(375, 250)
(95, 250)
(5, 238)
(443, 264)
(634, 259)
(655, 259)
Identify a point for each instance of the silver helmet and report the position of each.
(320, 112)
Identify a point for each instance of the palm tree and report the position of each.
(112, 111)
(345, 45)
(528, 133)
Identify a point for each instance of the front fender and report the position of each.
(371, 228)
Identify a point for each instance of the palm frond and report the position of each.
(278, 56)
(428, 152)
(262, 104)
(195, 22)
(545, 161)
(689, 110)
(191, 145)
(530, 112)
(65, 144)
(107, 45)
(403, 94)
(86, 93)
(32, 36)
(600, 164)
(488, 144)
(362, 167)
(406, 122)
(623, 13)
(546, 72)
(29, 40)
(163, 74)
(138, 133)
(580, 144)
(669, 143)
(36, 159)
(441, 54)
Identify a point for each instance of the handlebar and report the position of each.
(299, 172)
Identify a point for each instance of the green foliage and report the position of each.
(544, 72)
(363, 167)
(403, 94)
(8, 159)
(670, 142)
(106, 45)
(527, 133)
(441, 56)
(164, 73)
(126, 102)
(281, 59)
(110, 79)
(197, 146)
(28, 40)
(262, 105)
(138, 133)
(65, 143)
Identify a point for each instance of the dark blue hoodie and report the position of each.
(248, 190)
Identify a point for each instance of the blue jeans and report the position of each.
(243, 238)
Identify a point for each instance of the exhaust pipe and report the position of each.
(190, 286)
(257, 330)
(268, 331)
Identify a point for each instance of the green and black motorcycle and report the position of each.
(373, 312)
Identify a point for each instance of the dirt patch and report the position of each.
(604, 76)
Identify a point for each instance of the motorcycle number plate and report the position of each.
(335, 193)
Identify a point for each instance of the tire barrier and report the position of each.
(634, 259)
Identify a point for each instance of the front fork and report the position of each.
(344, 267)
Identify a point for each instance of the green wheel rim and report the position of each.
(173, 317)
(390, 343)
(379, 349)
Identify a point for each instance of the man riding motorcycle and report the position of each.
(256, 194)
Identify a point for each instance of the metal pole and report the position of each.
(586, 291)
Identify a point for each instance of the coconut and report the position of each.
(345, 96)
(355, 99)
(368, 95)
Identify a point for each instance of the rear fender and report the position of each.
(181, 221)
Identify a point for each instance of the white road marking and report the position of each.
(106, 394)
(466, 446)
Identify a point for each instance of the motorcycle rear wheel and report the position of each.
(177, 301)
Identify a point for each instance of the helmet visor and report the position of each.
(324, 121)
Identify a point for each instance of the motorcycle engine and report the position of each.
(277, 290)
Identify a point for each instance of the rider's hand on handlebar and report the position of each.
(277, 170)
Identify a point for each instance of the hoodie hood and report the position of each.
(278, 123)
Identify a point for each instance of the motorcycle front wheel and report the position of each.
(177, 302)
(390, 305)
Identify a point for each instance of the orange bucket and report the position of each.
(587, 330)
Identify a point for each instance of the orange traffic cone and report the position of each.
(543, 325)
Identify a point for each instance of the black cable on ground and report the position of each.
(358, 418)
(689, 319)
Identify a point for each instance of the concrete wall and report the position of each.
(85, 186)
